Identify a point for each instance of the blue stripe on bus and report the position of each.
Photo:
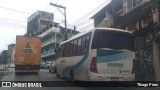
(113, 55)
(75, 67)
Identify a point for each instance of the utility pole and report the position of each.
(66, 37)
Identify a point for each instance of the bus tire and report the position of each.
(57, 75)
(72, 76)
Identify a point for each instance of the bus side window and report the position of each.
(79, 46)
(62, 49)
(67, 49)
(71, 48)
(75, 48)
(85, 44)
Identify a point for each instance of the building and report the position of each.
(41, 24)
(38, 21)
(11, 53)
(4, 58)
(142, 17)
(51, 36)
(1, 61)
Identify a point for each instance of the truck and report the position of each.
(27, 54)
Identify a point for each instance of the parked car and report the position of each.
(43, 65)
(12, 66)
(48, 63)
(51, 67)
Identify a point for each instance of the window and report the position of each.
(113, 40)
(79, 46)
(74, 53)
(67, 49)
(128, 5)
(87, 40)
(62, 50)
(71, 48)
(85, 43)
(76, 47)
(43, 22)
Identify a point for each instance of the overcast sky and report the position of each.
(14, 23)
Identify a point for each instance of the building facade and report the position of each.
(10, 54)
(3, 59)
(38, 21)
(142, 17)
(41, 24)
(51, 37)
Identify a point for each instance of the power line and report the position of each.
(83, 17)
(57, 8)
(86, 26)
(52, 7)
(63, 2)
(12, 24)
(6, 26)
(14, 10)
(82, 23)
(12, 19)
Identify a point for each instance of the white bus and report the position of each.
(101, 54)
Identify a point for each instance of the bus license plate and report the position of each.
(114, 79)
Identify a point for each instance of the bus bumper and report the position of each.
(111, 77)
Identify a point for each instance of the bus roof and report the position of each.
(91, 30)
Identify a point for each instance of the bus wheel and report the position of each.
(72, 76)
(57, 75)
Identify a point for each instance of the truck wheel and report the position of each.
(16, 73)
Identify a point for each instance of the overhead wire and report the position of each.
(84, 22)
(56, 3)
(11, 19)
(93, 10)
(52, 7)
(86, 26)
(14, 10)
(6, 26)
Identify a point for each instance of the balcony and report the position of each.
(153, 28)
(48, 42)
(48, 53)
(52, 29)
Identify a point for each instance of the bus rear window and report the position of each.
(112, 39)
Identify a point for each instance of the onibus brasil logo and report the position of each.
(21, 84)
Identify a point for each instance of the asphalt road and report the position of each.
(44, 75)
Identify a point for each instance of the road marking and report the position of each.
(7, 75)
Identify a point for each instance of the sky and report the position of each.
(14, 14)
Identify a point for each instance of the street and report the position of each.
(44, 75)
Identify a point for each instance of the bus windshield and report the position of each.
(112, 39)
